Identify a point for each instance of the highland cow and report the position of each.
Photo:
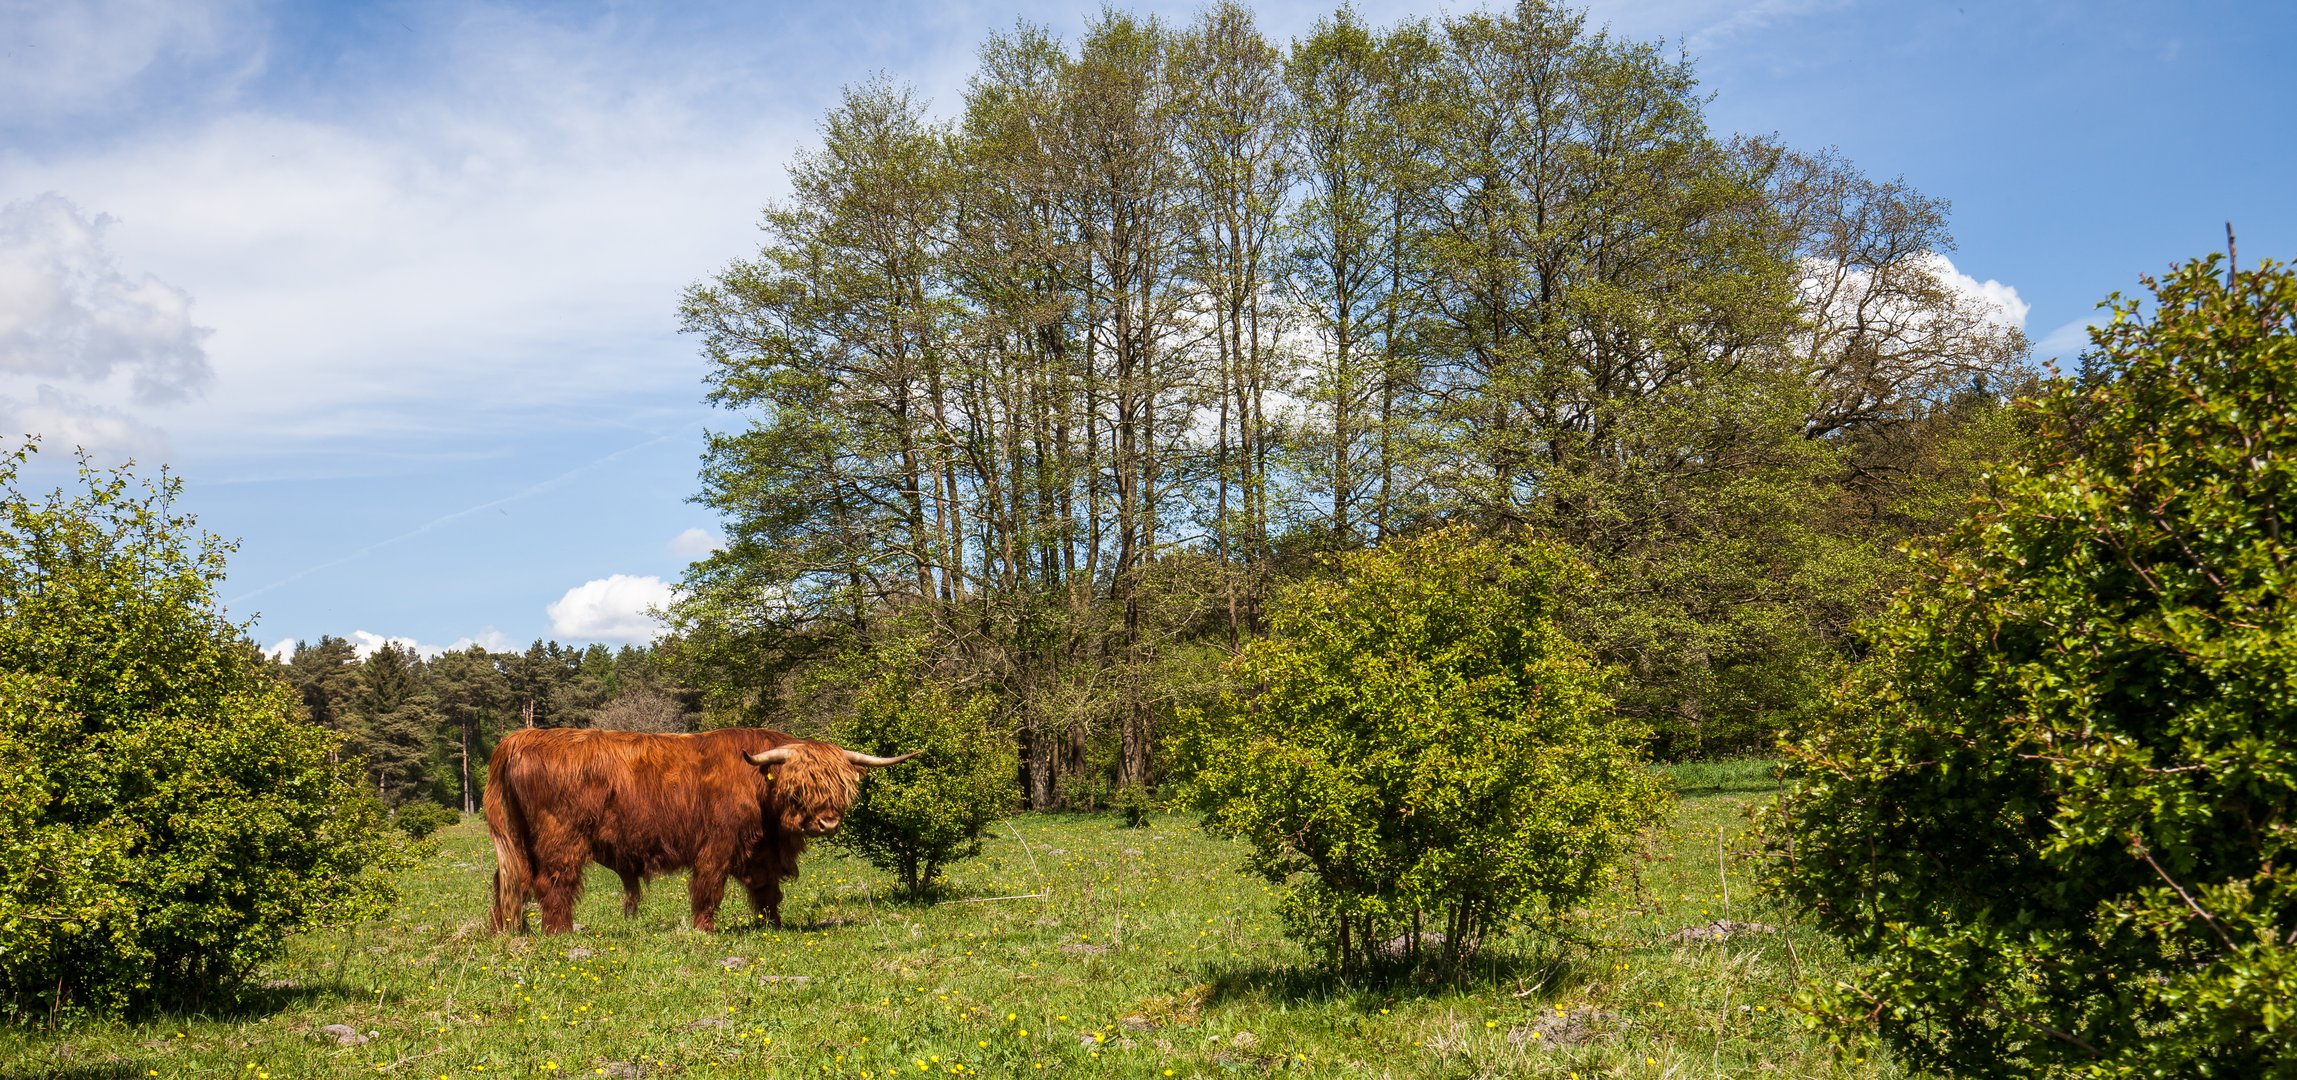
(740, 802)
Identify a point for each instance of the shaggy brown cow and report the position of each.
(739, 802)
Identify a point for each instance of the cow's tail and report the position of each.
(513, 846)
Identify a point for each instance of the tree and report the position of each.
(396, 725)
(323, 675)
(167, 815)
(2054, 812)
(472, 697)
(642, 708)
(1169, 314)
(1422, 740)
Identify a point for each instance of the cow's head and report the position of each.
(815, 782)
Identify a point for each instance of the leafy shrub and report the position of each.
(1086, 790)
(915, 818)
(1135, 802)
(423, 817)
(2056, 815)
(167, 816)
(1424, 746)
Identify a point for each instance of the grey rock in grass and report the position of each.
(708, 1022)
(1556, 1031)
(1720, 930)
(345, 1034)
(622, 1070)
(579, 954)
(1244, 1040)
(734, 963)
(1400, 946)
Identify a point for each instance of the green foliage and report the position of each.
(421, 818)
(2055, 815)
(167, 815)
(1134, 803)
(915, 818)
(1423, 740)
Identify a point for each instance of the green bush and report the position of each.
(423, 817)
(1423, 748)
(167, 816)
(1135, 802)
(2055, 816)
(916, 818)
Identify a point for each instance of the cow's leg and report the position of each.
(707, 887)
(765, 893)
(558, 888)
(632, 887)
(560, 855)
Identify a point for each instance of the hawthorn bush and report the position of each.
(2053, 814)
(167, 815)
(1418, 747)
(915, 818)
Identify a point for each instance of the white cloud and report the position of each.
(1989, 302)
(367, 644)
(67, 312)
(613, 608)
(490, 639)
(499, 232)
(65, 60)
(68, 420)
(2008, 309)
(695, 543)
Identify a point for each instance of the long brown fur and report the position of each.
(645, 804)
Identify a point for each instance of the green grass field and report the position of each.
(1151, 956)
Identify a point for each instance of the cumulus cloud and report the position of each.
(615, 608)
(67, 312)
(490, 639)
(69, 420)
(695, 543)
(367, 644)
(2006, 309)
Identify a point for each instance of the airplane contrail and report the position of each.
(525, 492)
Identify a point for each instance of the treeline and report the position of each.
(422, 729)
(1061, 385)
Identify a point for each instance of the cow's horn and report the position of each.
(775, 756)
(868, 762)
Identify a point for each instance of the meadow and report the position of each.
(1074, 946)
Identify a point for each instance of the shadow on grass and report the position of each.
(58, 1071)
(258, 1002)
(1542, 973)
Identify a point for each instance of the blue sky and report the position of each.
(393, 287)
